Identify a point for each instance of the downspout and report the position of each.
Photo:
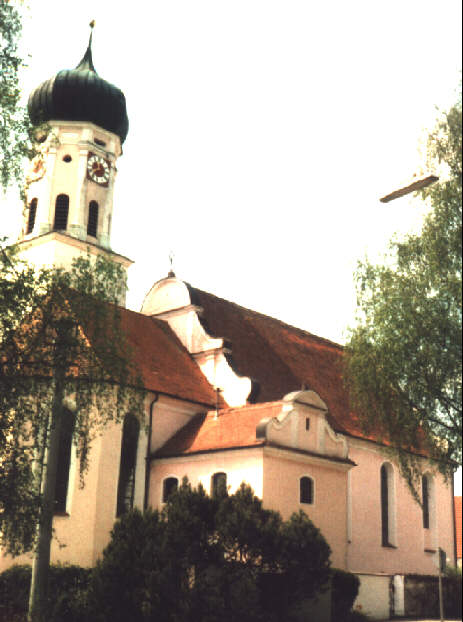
(148, 453)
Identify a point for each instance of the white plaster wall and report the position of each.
(373, 596)
(169, 416)
(59, 250)
(366, 553)
(239, 465)
(282, 472)
(81, 535)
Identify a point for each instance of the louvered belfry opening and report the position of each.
(92, 224)
(32, 214)
(61, 212)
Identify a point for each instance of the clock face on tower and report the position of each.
(98, 169)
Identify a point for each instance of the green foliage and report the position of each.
(15, 127)
(403, 360)
(67, 585)
(345, 587)
(453, 571)
(206, 559)
(453, 596)
(54, 320)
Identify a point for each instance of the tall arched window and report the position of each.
(92, 223)
(387, 505)
(64, 460)
(306, 490)
(61, 212)
(129, 444)
(218, 484)
(31, 217)
(426, 494)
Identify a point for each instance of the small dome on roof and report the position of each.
(80, 95)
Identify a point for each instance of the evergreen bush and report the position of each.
(67, 589)
(345, 588)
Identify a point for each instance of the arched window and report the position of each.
(31, 218)
(92, 224)
(64, 460)
(387, 505)
(129, 443)
(61, 212)
(169, 485)
(218, 484)
(427, 500)
(306, 490)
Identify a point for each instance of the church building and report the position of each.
(232, 395)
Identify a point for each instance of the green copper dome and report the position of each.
(80, 95)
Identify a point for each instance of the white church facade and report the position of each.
(232, 395)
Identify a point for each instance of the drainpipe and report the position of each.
(148, 452)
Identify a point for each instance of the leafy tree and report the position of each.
(15, 127)
(208, 559)
(61, 346)
(403, 363)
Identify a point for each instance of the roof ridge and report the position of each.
(270, 317)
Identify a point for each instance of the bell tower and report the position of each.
(70, 183)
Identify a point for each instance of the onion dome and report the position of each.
(80, 95)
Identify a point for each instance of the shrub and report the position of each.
(345, 587)
(453, 595)
(14, 593)
(67, 585)
(204, 558)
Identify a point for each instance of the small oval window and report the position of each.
(67, 158)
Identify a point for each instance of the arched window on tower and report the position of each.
(61, 212)
(92, 223)
(126, 485)
(31, 217)
(387, 505)
(64, 461)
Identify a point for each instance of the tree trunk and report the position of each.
(41, 563)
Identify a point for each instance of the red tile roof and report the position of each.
(163, 362)
(279, 357)
(231, 428)
(458, 526)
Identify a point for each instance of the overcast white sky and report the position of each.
(262, 134)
